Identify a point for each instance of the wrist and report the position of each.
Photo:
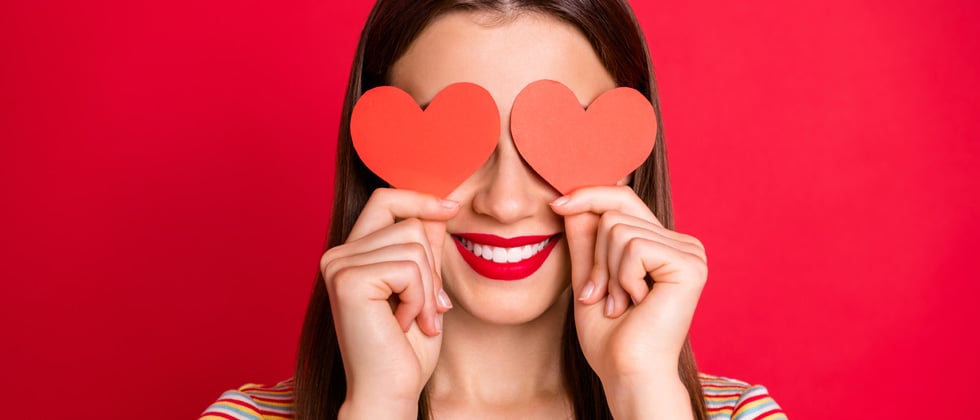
(648, 398)
(378, 408)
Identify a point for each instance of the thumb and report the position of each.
(580, 232)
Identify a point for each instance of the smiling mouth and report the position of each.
(499, 254)
(500, 258)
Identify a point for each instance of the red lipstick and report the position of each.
(540, 245)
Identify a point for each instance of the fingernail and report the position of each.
(449, 204)
(560, 201)
(444, 299)
(587, 291)
(439, 323)
(610, 305)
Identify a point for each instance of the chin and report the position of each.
(512, 302)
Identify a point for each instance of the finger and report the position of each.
(602, 270)
(629, 284)
(408, 230)
(377, 281)
(632, 276)
(621, 199)
(421, 232)
(387, 206)
(662, 262)
(415, 252)
(617, 301)
(580, 232)
(599, 200)
(619, 236)
(435, 232)
(675, 291)
(613, 217)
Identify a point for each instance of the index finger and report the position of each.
(599, 200)
(580, 232)
(387, 205)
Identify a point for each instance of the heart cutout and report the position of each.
(431, 151)
(572, 147)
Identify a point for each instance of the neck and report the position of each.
(500, 365)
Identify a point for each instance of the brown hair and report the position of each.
(614, 33)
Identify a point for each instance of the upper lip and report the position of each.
(494, 240)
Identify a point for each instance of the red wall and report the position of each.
(166, 180)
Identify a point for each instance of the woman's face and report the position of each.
(504, 199)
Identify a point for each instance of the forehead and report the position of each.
(502, 54)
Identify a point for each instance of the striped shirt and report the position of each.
(726, 398)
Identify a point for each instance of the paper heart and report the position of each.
(571, 147)
(431, 151)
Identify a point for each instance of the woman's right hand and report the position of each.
(387, 301)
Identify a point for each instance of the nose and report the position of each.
(511, 190)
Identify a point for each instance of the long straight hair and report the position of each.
(615, 35)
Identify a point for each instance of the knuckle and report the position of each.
(697, 242)
(330, 269)
(413, 224)
(379, 193)
(634, 246)
(409, 269)
(618, 230)
(417, 251)
(325, 260)
(375, 196)
(697, 264)
(329, 262)
(609, 219)
(691, 259)
(342, 282)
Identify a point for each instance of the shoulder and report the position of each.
(728, 398)
(253, 402)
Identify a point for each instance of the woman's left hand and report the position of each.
(631, 332)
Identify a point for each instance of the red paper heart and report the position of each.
(431, 151)
(571, 147)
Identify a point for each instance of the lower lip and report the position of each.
(506, 271)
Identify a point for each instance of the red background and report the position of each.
(167, 167)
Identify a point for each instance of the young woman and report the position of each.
(401, 323)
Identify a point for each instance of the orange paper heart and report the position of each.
(571, 147)
(431, 151)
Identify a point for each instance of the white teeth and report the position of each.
(499, 255)
(504, 255)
